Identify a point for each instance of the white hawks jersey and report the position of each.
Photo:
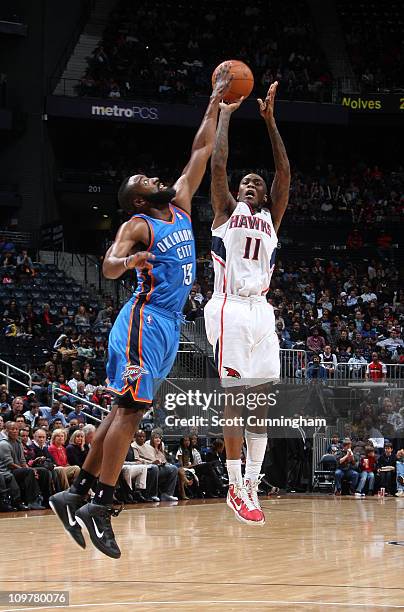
(243, 252)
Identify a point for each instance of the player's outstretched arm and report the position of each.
(119, 257)
(223, 202)
(202, 147)
(281, 182)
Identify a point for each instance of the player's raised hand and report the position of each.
(223, 79)
(267, 106)
(140, 261)
(231, 107)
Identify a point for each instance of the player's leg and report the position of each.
(95, 517)
(66, 503)
(264, 366)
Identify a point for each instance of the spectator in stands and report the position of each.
(386, 469)
(77, 413)
(190, 459)
(357, 364)
(25, 267)
(66, 350)
(135, 472)
(53, 413)
(392, 343)
(13, 463)
(31, 415)
(376, 371)
(1, 424)
(345, 471)
(66, 472)
(328, 360)
(89, 433)
(315, 342)
(355, 240)
(81, 319)
(167, 473)
(334, 445)
(17, 408)
(76, 451)
(5, 406)
(316, 371)
(367, 466)
(74, 381)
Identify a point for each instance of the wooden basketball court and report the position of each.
(314, 553)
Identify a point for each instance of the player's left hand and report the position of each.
(140, 261)
(267, 106)
(223, 79)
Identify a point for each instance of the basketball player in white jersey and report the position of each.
(240, 324)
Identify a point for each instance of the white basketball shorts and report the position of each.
(241, 331)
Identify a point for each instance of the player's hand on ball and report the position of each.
(223, 80)
(230, 108)
(267, 106)
(140, 261)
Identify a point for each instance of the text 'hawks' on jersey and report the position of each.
(172, 242)
(243, 252)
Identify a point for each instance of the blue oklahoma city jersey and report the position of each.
(144, 340)
(172, 242)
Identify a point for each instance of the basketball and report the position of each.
(242, 83)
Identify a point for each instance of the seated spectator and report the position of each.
(367, 467)
(346, 462)
(190, 459)
(75, 450)
(66, 350)
(334, 446)
(357, 364)
(13, 464)
(135, 472)
(89, 433)
(32, 414)
(53, 413)
(315, 342)
(25, 266)
(42, 473)
(386, 469)
(77, 413)
(81, 319)
(152, 454)
(316, 371)
(73, 382)
(328, 360)
(66, 472)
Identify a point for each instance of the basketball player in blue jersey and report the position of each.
(244, 240)
(158, 242)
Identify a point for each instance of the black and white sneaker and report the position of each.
(96, 519)
(65, 505)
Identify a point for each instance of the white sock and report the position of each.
(256, 447)
(234, 471)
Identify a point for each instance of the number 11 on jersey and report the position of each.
(187, 269)
(248, 247)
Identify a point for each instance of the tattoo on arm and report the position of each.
(222, 199)
(281, 182)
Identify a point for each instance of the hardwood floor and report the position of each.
(314, 553)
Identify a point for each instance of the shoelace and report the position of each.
(241, 492)
(252, 491)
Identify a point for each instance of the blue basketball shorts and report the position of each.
(142, 347)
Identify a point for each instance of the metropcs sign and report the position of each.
(126, 112)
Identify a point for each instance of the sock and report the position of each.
(234, 471)
(256, 447)
(83, 483)
(104, 494)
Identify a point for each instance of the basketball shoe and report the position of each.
(65, 505)
(96, 519)
(242, 506)
(251, 487)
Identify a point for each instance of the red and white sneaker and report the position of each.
(251, 488)
(243, 507)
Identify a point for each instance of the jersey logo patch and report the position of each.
(179, 216)
(149, 319)
(232, 372)
(132, 373)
